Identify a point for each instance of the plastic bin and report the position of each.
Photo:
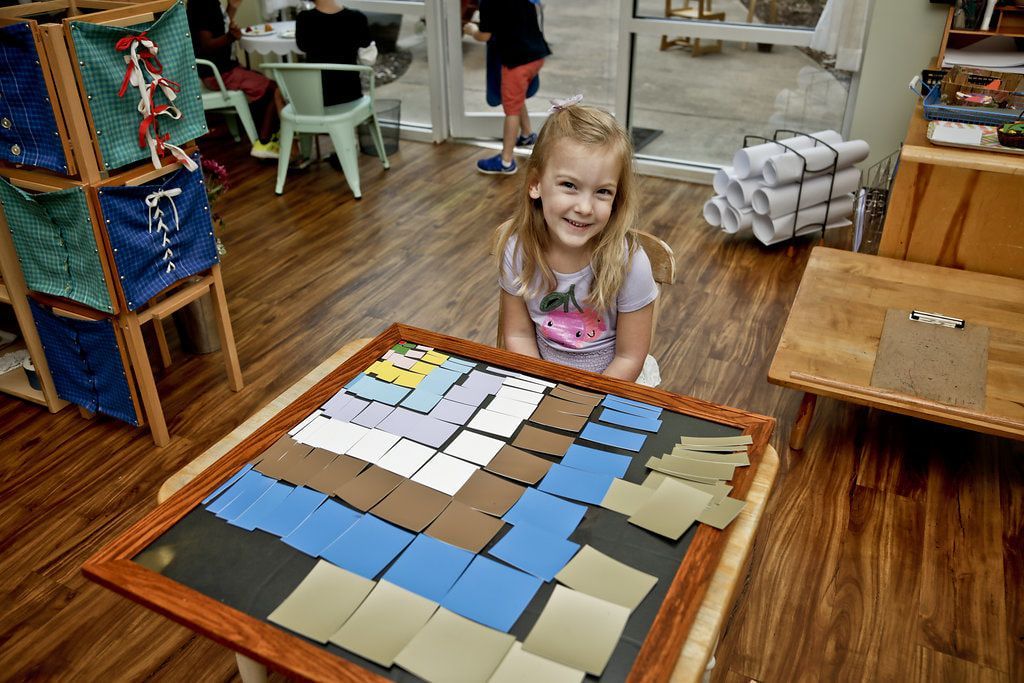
(389, 116)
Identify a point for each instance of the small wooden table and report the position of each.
(682, 640)
(960, 208)
(828, 345)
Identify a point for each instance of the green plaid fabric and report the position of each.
(102, 67)
(53, 237)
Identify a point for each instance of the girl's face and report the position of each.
(576, 190)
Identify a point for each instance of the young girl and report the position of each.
(577, 288)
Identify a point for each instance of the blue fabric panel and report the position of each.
(28, 125)
(140, 254)
(85, 363)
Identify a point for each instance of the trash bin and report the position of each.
(389, 116)
(196, 325)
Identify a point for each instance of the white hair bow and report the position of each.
(559, 105)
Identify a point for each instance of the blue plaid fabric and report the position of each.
(85, 363)
(28, 129)
(140, 253)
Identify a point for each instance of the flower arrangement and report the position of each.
(215, 176)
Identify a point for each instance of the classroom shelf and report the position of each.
(15, 382)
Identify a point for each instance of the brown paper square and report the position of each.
(412, 506)
(549, 416)
(303, 470)
(368, 488)
(563, 406)
(464, 527)
(519, 465)
(577, 395)
(542, 441)
(281, 456)
(488, 493)
(342, 469)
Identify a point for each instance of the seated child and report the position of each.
(576, 286)
(332, 34)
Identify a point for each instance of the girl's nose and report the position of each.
(584, 203)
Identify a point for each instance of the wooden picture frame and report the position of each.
(114, 568)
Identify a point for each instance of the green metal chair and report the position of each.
(305, 112)
(228, 102)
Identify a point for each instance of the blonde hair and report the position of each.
(612, 249)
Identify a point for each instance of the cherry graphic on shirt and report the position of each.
(572, 328)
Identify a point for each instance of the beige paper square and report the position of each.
(718, 491)
(520, 665)
(672, 509)
(453, 648)
(741, 440)
(698, 468)
(722, 514)
(385, 623)
(594, 573)
(577, 630)
(738, 458)
(322, 602)
(625, 497)
(658, 465)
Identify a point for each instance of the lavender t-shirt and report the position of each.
(564, 319)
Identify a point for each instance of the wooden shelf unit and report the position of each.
(1006, 21)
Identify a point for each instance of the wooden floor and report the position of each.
(892, 549)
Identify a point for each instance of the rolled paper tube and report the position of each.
(778, 201)
(736, 221)
(749, 161)
(809, 230)
(770, 231)
(722, 178)
(740, 192)
(788, 167)
(713, 212)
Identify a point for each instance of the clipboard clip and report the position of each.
(937, 319)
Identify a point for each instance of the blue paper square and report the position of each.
(251, 485)
(596, 460)
(547, 512)
(626, 405)
(455, 367)
(223, 487)
(421, 399)
(429, 567)
(375, 390)
(647, 424)
(535, 550)
(271, 498)
(568, 482)
(439, 380)
(367, 547)
(292, 511)
(327, 523)
(610, 436)
(491, 594)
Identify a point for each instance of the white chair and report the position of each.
(305, 112)
(228, 102)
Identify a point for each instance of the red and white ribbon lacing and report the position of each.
(153, 202)
(143, 71)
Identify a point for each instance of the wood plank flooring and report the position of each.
(892, 549)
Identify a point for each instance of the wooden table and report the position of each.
(955, 207)
(829, 342)
(681, 640)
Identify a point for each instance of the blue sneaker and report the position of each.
(494, 165)
(526, 140)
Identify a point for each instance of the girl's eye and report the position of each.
(606, 193)
(567, 185)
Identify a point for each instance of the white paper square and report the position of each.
(405, 457)
(475, 448)
(537, 380)
(508, 406)
(302, 425)
(373, 445)
(332, 435)
(519, 395)
(495, 423)
(522, 384)
(445, 473)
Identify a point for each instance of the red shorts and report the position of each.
(252, 83)
(514, 83)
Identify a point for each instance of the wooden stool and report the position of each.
(702, 12)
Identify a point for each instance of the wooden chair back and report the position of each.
(663, 267)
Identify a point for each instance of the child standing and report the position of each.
(577, 288)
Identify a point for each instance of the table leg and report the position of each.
(803, 421)
(249, 670)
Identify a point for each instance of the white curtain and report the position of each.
(840, 32)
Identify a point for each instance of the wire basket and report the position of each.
(935, 110)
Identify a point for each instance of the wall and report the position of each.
(903, 38)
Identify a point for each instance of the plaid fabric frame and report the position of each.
(28, 128)
(102, 68)
(86, 363)
(56, 246)
(140, 252)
